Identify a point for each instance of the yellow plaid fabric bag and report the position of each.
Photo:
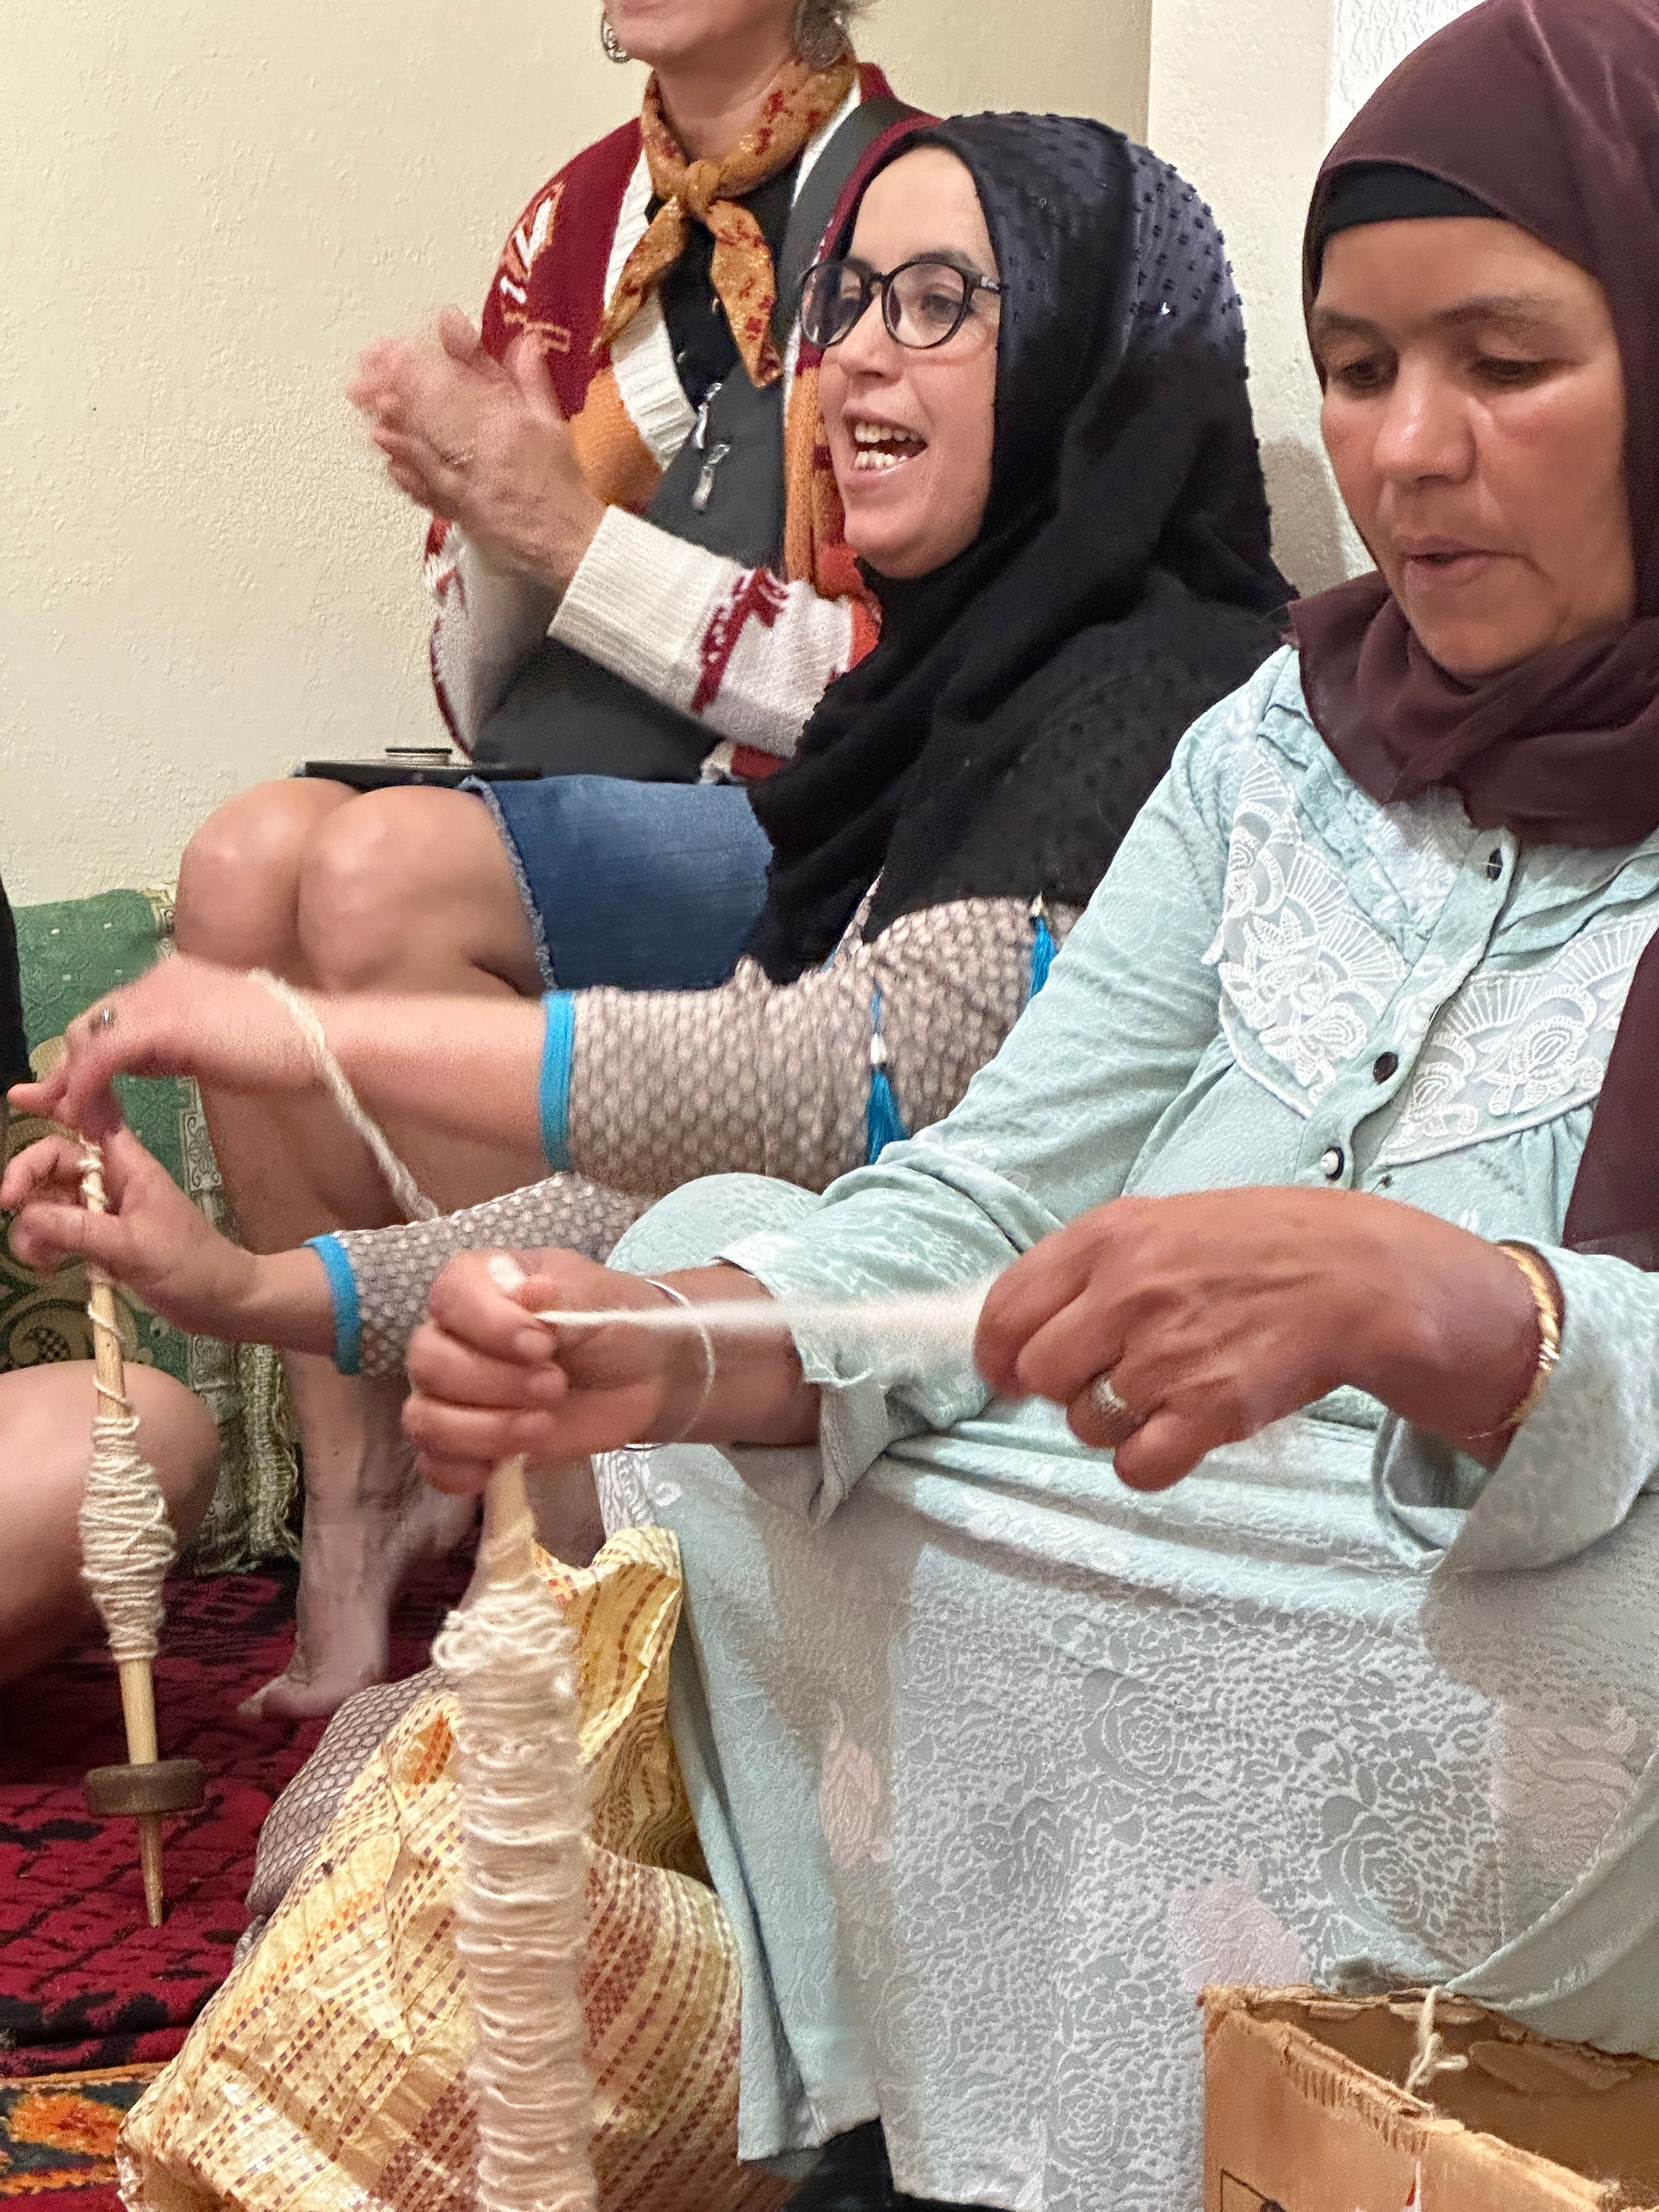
(330, 2070)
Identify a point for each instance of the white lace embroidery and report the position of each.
(1511, 1050)
(1303, 973)
(1414, 849)
(1306, 974)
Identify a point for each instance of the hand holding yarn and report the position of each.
(1210, 1314)
(489, 1382)
(184, 1017)
(153, 1238)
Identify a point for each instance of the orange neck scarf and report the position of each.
(711, 192)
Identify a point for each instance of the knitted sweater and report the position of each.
(667, 1085)
(746, 650)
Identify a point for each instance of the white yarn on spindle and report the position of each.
(520, 1915)
(521, 1910)
(127, 1542)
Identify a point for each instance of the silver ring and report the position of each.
(1103, 1397)
(103, 1018)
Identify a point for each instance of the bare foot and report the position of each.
(370, 1522)
(352, 1565)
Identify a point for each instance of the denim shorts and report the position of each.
(652, 886)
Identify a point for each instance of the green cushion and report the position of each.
(70, 953)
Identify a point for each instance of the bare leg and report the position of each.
(45, 1444)
(293, 1171)
(413, 891)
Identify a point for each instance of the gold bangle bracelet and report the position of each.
(1550, 1307)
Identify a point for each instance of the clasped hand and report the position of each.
(483, 444)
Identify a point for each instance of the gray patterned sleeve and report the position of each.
(774, 1079)
(394, 1269)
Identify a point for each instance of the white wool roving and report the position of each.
(882, 1339)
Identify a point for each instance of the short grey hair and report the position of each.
(823, 28)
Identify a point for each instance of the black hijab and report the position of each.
(1024, 699)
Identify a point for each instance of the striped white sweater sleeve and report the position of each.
(738, 648)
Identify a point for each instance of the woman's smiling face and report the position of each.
(911, 432)
(1475, 416)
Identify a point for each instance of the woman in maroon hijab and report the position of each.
(1319, 1171)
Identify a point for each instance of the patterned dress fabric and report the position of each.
(331, 2069)
(670, 1085)
(297, 1820)
(996, 1763)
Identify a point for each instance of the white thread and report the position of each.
(1431, 2056)
(402, 1185)
(127, 1542)
(521, 1912)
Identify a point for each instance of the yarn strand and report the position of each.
(895, 1339)
(403, 1185)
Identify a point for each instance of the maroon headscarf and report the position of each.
(1548, 112)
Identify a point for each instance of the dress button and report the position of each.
(1495, 863)
(1384, 1066)
(1332, 1162)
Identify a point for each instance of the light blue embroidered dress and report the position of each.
(996, 1762)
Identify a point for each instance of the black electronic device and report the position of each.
(405, 764)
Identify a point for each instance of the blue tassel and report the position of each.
(1044, 947)
(882, 1124)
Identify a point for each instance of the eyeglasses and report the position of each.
(923, 303)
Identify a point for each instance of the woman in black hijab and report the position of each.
(1023, 698)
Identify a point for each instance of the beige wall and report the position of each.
(205, 210)
(1244, 98)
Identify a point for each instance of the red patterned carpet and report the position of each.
(84, 1981)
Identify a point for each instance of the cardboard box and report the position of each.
(1304, 2113)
